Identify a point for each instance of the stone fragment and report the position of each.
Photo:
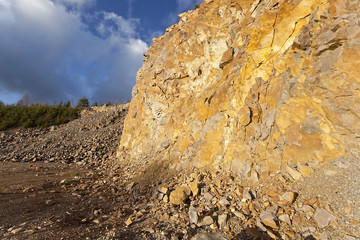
(285, 218)
(222, 221)
(290, 233)
(16, 230)
(164, 190)
(128, 222)
(165, 217)
(305, 170)
(194, 188)
(179, 196)
(272, 192)
(50, 202)
(208, 196)
(273, 209)
(194, 175)
(247, 194)
(193, 214)
(224, 202)
(287, 198)
(130, 186)
(268, 219)
(323, 218)
(239, 215)
(206, 221)
(208, 236)
(260, 225)
(293, 173)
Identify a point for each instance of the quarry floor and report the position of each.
(80, 194)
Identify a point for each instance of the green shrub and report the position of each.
(36, 115)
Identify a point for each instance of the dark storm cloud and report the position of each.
(49, 54)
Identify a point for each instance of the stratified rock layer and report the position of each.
(250, 86)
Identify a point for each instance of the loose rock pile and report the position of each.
(217, 206)
(123, 202)
(91, 138)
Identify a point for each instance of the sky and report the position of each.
(62, 50)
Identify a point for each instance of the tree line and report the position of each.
(39, 115)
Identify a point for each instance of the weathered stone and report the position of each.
(268, 219)
(206, 221)
(179, 195)
(287, 198)
(164, 190)
(224, 202)
(293, 173)
(323, 218)
(16, 230)
(285, 218)
(194, 188)
(239, 215)
(306, 170)
(290, 233)
(50, 202)
(208, 196)
(222, 221)
(129, 221)
(208, 236)
(193, 214)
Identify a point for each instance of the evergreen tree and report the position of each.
(83, 103)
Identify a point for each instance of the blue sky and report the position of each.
(59, 50)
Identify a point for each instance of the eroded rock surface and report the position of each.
(251, 86)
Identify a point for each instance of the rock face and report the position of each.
(251, 86)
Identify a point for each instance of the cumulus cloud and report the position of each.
(77, 4)
(49, 53)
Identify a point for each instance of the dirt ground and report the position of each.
(34, 205)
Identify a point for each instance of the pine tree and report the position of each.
(83, 103)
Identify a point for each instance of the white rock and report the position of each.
(193, 215)
(222, 221)
(323, 218)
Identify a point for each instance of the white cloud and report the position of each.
(5, 12)
(77, 3)
(123, 26)
(49, 53)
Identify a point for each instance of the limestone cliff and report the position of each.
(251, 86)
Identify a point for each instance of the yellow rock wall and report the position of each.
(250, 86)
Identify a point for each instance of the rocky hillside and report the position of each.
(255, 87)
(92, 138)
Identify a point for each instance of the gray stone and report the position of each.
(208, 236)
(222, 221)
(224, 202)
(247, 194)
(193, 215)
(285, 218)
(208, 196)
(293, 173)
(206, 221)
(323, 218)
(268, 218)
